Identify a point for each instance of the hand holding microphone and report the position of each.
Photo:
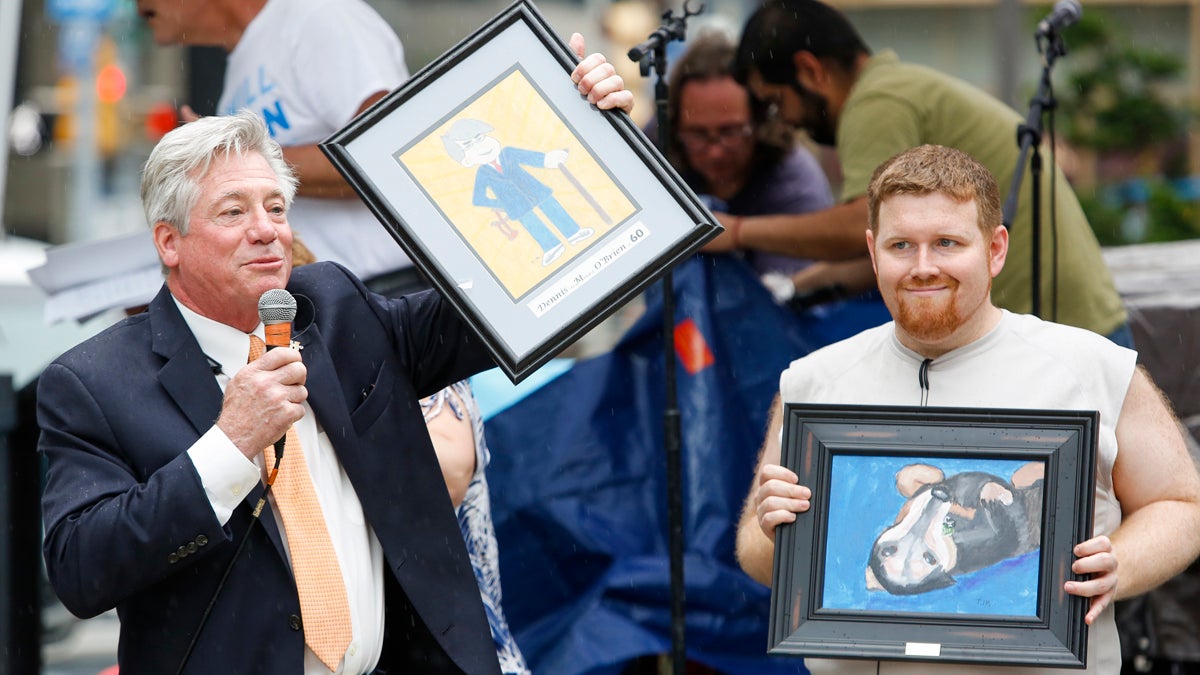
(266, 396)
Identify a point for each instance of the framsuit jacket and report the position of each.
(128, 524)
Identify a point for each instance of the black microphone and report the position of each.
(277, 310)
(656, 40)
(1065, 13)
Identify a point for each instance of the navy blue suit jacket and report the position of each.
(128, 524)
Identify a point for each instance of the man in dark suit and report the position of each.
(146, 497)
(154, 433)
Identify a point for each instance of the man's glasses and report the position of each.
(727, 136)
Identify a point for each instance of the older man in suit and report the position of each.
(155, 432)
